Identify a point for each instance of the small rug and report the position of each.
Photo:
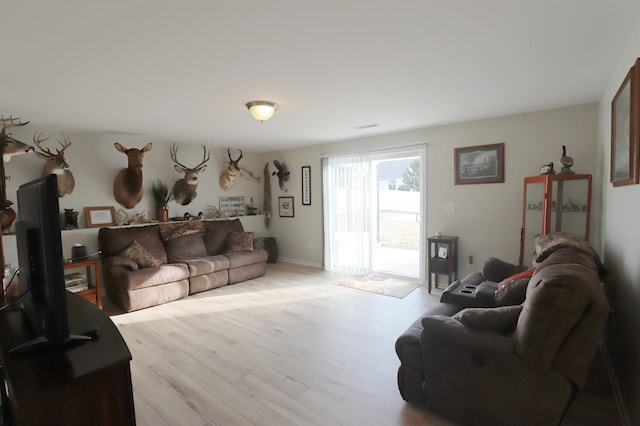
(379, 285)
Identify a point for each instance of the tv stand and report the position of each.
(42, 342)
(88, 383)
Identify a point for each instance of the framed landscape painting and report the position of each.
(625, 130)
(479, 164)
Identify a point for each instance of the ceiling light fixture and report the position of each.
(262, 110)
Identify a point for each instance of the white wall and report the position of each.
(621, 248)
(488, 216)
(95, 162)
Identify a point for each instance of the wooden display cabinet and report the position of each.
(554, 203)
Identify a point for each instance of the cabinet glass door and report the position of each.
(533, 219)
(569, 207)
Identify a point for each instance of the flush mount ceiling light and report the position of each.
(262, 110)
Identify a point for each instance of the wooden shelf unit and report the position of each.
(92, 267)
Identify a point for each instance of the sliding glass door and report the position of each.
(373, 211)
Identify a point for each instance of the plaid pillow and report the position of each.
(140, 255)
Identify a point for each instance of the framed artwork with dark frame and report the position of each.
(625, 130)
(479, 164)
(100, 216)
(285, 206)
(306, 185)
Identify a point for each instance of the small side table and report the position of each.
(93, 294)
(443, 257)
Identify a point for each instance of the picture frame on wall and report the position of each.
(306, 185)
(625, 130)
(285, 207)
(100, 216)
(479, 164)
(233, 206)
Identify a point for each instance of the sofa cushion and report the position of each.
(244, 258)
(112, 241)
(558, 296)
(547, 244)
(497, 270)
(170, 231)
(239, 241)
(140, 255)
(155, 276)
(183, 248)
(217, 232)
(207, 265)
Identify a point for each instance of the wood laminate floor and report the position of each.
(288, 348)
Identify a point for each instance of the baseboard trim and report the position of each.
(299, 262)
(624, 416)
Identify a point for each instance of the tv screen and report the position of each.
(41, 278)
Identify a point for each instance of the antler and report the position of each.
(229, 154)
(65, 145)
(174, 156)
(10, 122)
(205, 157)
(38, 139)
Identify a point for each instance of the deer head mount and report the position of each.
(127, 187)
(55, 163)
(10, 145)
(184, 190)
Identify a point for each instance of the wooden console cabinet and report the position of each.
(554, 203)
(85, 383)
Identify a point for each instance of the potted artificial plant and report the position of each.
(161, 197)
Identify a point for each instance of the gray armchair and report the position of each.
(520, 364)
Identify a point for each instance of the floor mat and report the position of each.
(380, 285)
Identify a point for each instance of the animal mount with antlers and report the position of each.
(233, 169)
(127, 187)
(10, 145)
(184, 190)
(55, 163)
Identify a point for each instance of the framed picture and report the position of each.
(285, 206)
(100, 216)
(442, 252)
(233, 206)
(479, 164)
(625, 130)
(306, 185)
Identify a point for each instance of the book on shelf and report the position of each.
(74, 279)
(78, 287)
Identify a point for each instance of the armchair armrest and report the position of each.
(439, 329)
(501, 320)
(122, 261)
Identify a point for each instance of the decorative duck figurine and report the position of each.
(566, 162)
(547, 169)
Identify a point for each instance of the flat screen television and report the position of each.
(41, 277)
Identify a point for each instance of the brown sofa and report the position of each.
(149, 265)
(519, 364)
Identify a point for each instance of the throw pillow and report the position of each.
(239, 241)
(140, 255)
